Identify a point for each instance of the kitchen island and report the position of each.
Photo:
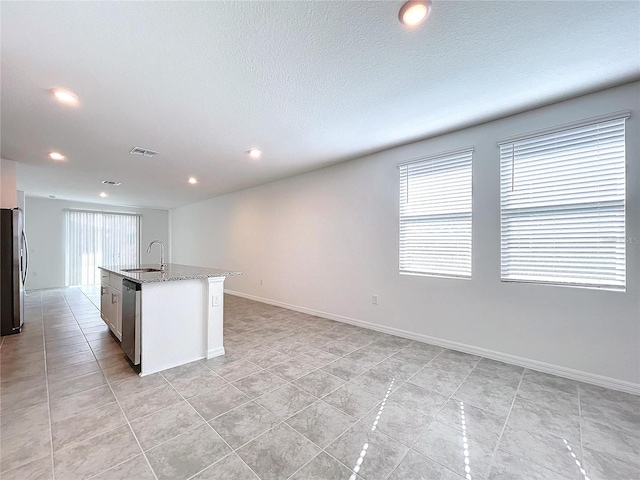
(164, 317)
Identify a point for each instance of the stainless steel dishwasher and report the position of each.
(131, 320)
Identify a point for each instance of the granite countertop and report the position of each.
(172, 272)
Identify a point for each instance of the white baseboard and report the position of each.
(570, 373)
(170, 365)
(215, 352)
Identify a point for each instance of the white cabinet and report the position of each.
(111, 302)
(105, 298)
(116, 313)
(105, 302)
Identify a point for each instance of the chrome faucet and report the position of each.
(162, 264)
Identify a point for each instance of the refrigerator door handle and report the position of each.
(25, 255)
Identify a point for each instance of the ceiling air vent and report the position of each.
(110, 182)
(145, 152)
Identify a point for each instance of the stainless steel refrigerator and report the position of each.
(14, 261)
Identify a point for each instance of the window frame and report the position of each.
(598, 283)
(456, 155)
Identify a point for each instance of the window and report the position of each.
(97, 239)
(563, 206)
(435, 215)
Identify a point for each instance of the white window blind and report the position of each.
(435, 215)
(563, 207)
(95, 239)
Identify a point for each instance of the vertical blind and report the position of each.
(563, 207)
(95, 239)
(435, 215)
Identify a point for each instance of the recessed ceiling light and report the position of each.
(65, 96)
(103, 194)
(192, 180)
(415, 12)
(254, 153)
(56, 156)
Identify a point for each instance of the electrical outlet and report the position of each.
(374, 299)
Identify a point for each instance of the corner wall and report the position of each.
(8, 198)
(45, 230)
(327, 241)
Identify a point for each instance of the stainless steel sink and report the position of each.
(141, 270)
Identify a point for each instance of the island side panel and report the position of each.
(215, 319)
(173, 324)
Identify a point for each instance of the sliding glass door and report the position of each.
(96, 239)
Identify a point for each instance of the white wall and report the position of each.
(45, 229)
(328, 240)
(20, 200)
(8, 196)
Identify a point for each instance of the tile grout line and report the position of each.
(315, 369)
(359, 418)
(91, 438)
(219, 461)
(110, 388)
(162, 409)
(118, 402)
(580, 426)
(512, 402)
(263, 369)
(43, 352)
(117, 464)
(563, 473)
(319, 399)
(211, 427)
(254, 400)
(291, 382)
(173, 405)
(46, 379)
(504, 427)
(410, 447)
(322, 450)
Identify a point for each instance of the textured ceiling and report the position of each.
(310, 83)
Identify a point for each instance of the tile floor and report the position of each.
(296, 397)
